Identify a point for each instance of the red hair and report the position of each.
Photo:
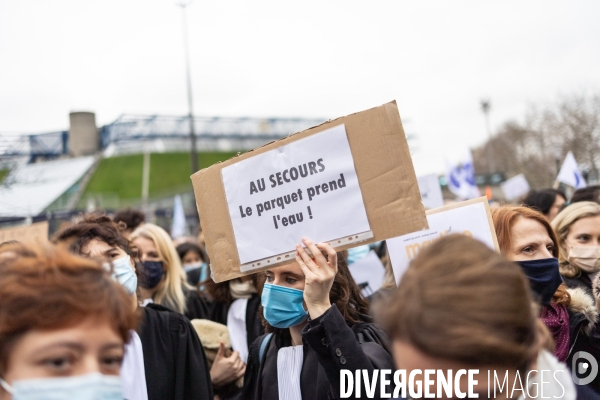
(44, 287)
(505, 218)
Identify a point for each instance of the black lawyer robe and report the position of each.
(330, 345)
(174, 360)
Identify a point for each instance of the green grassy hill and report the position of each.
(3, 173)
(169, 174)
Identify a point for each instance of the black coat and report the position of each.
(582, 281)
(174, 360)
(583, 329)
(196, 305)
(330, 345)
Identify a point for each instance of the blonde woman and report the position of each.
(164, 280)
(578, 231)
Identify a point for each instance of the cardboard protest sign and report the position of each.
(314, 187)
(515, 187)
(471, 218)
(35, 231)
(368, 272)
(431, 191)
(353, 176)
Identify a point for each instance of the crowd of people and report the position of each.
(112, 307)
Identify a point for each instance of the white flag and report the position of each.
(461, 177)
(178, 227)
(570, 174)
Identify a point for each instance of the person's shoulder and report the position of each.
(582, 280)
(582, 307)
(367, 331)
(153, 307)
(165, 316)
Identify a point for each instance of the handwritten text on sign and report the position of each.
(306, 188)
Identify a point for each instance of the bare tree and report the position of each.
(536, 146)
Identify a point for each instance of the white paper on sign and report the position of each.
(467, 218)
(515, 187)
(431, 191)
(368, 272)
(306, 188)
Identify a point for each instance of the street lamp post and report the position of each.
(193, 152)
(485, 107)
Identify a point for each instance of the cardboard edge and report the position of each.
(465, 203)
(200, 177)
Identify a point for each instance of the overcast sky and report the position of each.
(306, 58)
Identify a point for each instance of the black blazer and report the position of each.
(330, 344)
(174, 359)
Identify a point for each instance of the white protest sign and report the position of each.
(306, 188)
(471, 218)
(431, 191)
(368, 272)
(515, 187)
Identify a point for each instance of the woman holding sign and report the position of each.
(317, 324)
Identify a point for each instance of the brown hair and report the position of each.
(505, 218)
(461, 301)
(46, 287)
(130, 217)
(562, 224)
(345, 294)
(92, 226)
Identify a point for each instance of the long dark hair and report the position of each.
(186, 247)
(543, 199)
(345, 294)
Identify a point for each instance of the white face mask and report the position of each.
(586, 258)
(83, 387)
(123, 273)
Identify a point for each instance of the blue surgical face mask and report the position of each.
(282, 306)
(192, 266)
(356, 253)
(544, 277)
(82, 387)
(154, 271)
(123, 273)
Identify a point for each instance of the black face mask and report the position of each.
(153, 272)
(544, 277)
